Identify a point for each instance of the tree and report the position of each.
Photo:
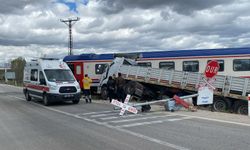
(17, 65)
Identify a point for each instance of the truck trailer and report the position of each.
(147, 83)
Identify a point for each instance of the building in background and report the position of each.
(4, 67)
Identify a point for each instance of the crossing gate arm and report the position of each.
(163, 100)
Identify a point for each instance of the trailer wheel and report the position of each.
(104, 93)
(130, 88)
(220, 105)
(134, 88)
(27, 96)
(45, 100)
(241, 107)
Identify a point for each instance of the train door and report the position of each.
(77, 69)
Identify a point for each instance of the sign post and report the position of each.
(248, 104)
(205, 90)
(125, 102)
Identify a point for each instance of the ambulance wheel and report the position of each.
(45, 100)
(75, 101)
(27, 96)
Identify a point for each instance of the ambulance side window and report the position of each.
(34, 75)
(41, 78)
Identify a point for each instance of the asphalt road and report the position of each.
(96, 126)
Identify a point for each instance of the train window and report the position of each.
(241, 64)
(191, 66)
(100, 68)
(169, 65)
(34, 75)
(221, 64)
(78, 69)
(144, 64)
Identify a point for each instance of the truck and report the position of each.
(146, 83)
(50, 80)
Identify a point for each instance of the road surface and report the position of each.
(96, 126)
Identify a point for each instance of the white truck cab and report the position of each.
(50, 80)
(111, 70)
(114, 67)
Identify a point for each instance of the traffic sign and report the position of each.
(124, 106)
(205, 96)
(125, 102)
(212, 69)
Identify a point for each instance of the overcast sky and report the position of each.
(32, 28)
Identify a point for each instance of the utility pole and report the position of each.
(70, 22)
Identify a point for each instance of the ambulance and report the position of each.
(50, 80)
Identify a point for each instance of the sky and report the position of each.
(32, 28)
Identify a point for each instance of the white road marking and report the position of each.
(131, 115)
(103, 115)
(125, 116)
(182, 118)
(197, 117)
(217, 120)
(137, 134)
(96, 112)
(142, 118)
(108, 118)
(151, 122)
(164, 143)
(140, 124)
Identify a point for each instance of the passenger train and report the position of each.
(232, 61)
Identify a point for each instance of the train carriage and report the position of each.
(91, 64)
(233, 62)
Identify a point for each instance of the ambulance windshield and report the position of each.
(54, 75)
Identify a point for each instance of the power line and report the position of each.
(70, 22)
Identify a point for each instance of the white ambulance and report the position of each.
(50, 80)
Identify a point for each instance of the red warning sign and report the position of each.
(212, 69)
